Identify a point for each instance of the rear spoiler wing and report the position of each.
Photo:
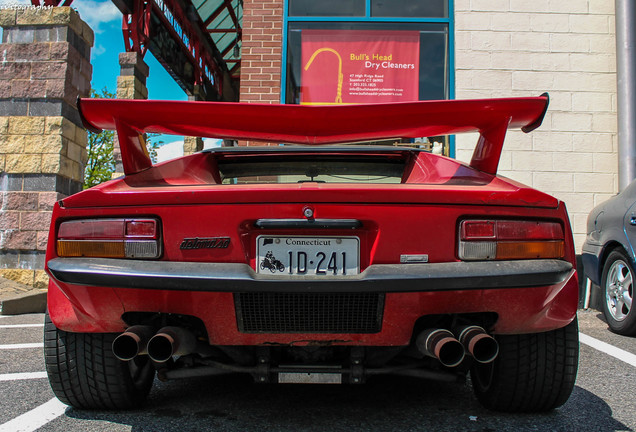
(313, 124)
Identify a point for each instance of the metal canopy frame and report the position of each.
(222, 20)
(197, 41)
(176, 34)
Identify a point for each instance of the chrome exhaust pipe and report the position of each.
(132, 342)
(479, 344)
(442, 345)
(171, 341)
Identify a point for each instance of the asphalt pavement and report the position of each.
(603, 399)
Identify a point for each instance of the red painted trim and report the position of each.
(321, 124)
(134, 154)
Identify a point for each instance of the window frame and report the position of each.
(449, 21)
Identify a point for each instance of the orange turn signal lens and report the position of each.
(530, 250)
(91, 248)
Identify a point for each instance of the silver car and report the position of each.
(609, 258)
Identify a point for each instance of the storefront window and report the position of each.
(327, 8)
(386, 51)
(409, 8)
(366, 62)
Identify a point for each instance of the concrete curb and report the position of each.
(32, 302)
(17, 298)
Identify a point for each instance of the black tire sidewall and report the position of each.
(628, 325)
(516, 383)
(77, 381)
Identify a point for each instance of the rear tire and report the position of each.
(84, 372)
(618, 293)
(532, 373)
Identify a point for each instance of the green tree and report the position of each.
(152, 144)
(101, 162)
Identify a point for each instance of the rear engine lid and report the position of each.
(363, 174)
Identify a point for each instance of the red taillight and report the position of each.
(141, 228)
(109, 238)
(529, 230)
(510, 239)
(92, 229)
(478, 230)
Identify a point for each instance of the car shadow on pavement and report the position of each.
(234, 403)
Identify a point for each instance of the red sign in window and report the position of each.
(352, 66)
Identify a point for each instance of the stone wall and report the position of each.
(567, 47)
(131, 84)
(45, 66)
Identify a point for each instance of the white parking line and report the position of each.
(36, 418)
(611, 350)
(22, 376)
(12, 326)
(22, 346)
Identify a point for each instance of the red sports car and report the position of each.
(310, 262)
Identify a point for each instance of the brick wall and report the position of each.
(45, 66)
(565, 47)
(261, 51)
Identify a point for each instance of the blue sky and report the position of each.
(105, 20)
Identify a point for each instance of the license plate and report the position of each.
(308, 256)
(309, 378)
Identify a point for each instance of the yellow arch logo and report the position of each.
(340, 76)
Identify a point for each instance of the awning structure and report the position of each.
(222, 20)
(197, 41)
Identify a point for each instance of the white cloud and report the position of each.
(96, 12)
(174, 149)
(170, 151)
(211, 142)
(98, 50)
(9, 3)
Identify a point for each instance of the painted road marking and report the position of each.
(608, 349)
(22, 346)
(12, 326)
(36, 418)
(22, 376)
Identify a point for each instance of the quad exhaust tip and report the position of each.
(450, 350)
(133, 342)
(437, 343)
(479, 344)
(171, 341)
(442, 345)
(160, 347)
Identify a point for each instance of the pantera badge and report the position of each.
(205, 243)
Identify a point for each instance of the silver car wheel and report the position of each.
(619, 290)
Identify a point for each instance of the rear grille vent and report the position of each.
(309, 312)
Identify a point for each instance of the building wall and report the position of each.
(261, 51)
(45, 67)
(510, 48)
